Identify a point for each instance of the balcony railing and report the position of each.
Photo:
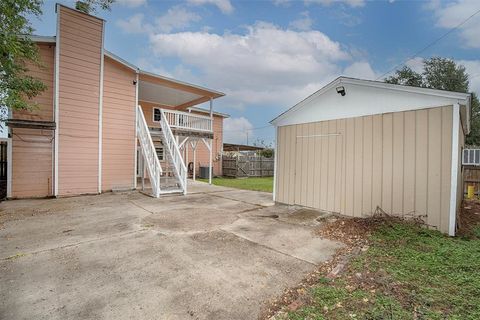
(188, 121)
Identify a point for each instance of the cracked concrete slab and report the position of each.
(293, 240)
(126, 255)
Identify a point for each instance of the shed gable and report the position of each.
(363, 98)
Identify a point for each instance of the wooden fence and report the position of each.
(471, 177)
(247, 166)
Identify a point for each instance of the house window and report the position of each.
(156, 115)
(160, 153)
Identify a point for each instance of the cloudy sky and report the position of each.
(268, 55)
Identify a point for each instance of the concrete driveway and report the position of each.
(217, 253)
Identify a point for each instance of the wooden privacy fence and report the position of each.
(471, 177)
(247, 166)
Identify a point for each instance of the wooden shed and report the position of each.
(356, 146)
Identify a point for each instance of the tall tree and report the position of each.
(90, 6)
(16, 51)
(443, 74)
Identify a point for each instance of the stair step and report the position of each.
(168, 191)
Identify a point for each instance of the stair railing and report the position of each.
(174, 151)
(149, 153)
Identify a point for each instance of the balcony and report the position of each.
(187, 124)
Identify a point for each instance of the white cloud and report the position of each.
(176, 17)
(131, 3)
(134, 24)
(452, 14)
(473, 70)
(351, 3)
(416, 64)
(361, 70)
(237, 130)
(283, 3)
(266, 65)
(224, 5)
(304, 23)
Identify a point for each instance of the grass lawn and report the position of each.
(408, 272)
(255, 184)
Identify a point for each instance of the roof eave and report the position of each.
(461, 97)
(214, 94)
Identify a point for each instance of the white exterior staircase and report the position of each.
(174, 178)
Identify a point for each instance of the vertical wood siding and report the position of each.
(32, 149)
(79, 89)
(118, 160)
(400, 162)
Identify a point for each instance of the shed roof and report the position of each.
(367, 97)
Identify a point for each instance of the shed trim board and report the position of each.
(454, 181)
(410, 116)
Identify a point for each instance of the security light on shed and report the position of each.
(341, 90)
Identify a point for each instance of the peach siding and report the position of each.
(32, 148)
(400, 162)
(202, 151)
(118, 160)
(79, 88)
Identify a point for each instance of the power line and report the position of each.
(245, 130)
(430, 44)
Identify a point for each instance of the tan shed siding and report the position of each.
(118, 159)
(400, 162)
(32, 149)
(79, 88)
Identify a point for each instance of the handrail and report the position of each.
(186, 120)
(149, 152)
(172, 146)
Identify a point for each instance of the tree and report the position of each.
(90, 6)
(268, 151)
(16, 51)
(443, 74)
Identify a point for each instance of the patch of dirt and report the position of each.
(355, 234)
(469, 217)
(305, 216)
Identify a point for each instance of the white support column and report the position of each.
(454, 169)
(9, 167)
(209, 147)
(142, 168)
(275, 159)
(186, 157)
(193, 143)
(210, 169)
